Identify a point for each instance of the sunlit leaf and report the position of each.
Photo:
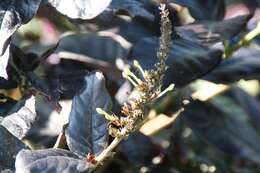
(4, 61)
(20, 122)
(50, 161)
(84, 9)
(13, 14)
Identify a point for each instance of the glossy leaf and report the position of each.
(104, 48)
(13, 14)
(9, 148)
(204, 10)
(245, 64)
(84, 9)
(187, 60)
(50, 161)
(226, 131)
(20, 122)
(87, 130)
(209, 32)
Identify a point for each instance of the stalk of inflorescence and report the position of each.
(147, 89)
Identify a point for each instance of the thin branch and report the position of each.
(108, 151)
(244, 41)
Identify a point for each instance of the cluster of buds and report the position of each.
(147, 88)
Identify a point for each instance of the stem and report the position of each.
(244, 41)
(108, 151)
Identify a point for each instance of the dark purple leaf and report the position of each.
(80, 9)
(102, 54)
(27, 62)
(21, 60)
(6, 105)
(204, 10)
(103, 48)
(49, 88)
(132, 30)
(209, 32)
(13, 14)
(249, 104)
(49, 122)
(7, 84)
(9, 148)
(135, 30)
(38, 83)
(223, 130)
(139, 149)
(87, 130)
(133, 8)
(71, 83)
(245, 64)
(50, 161)
(187, 60)
(20, 122)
